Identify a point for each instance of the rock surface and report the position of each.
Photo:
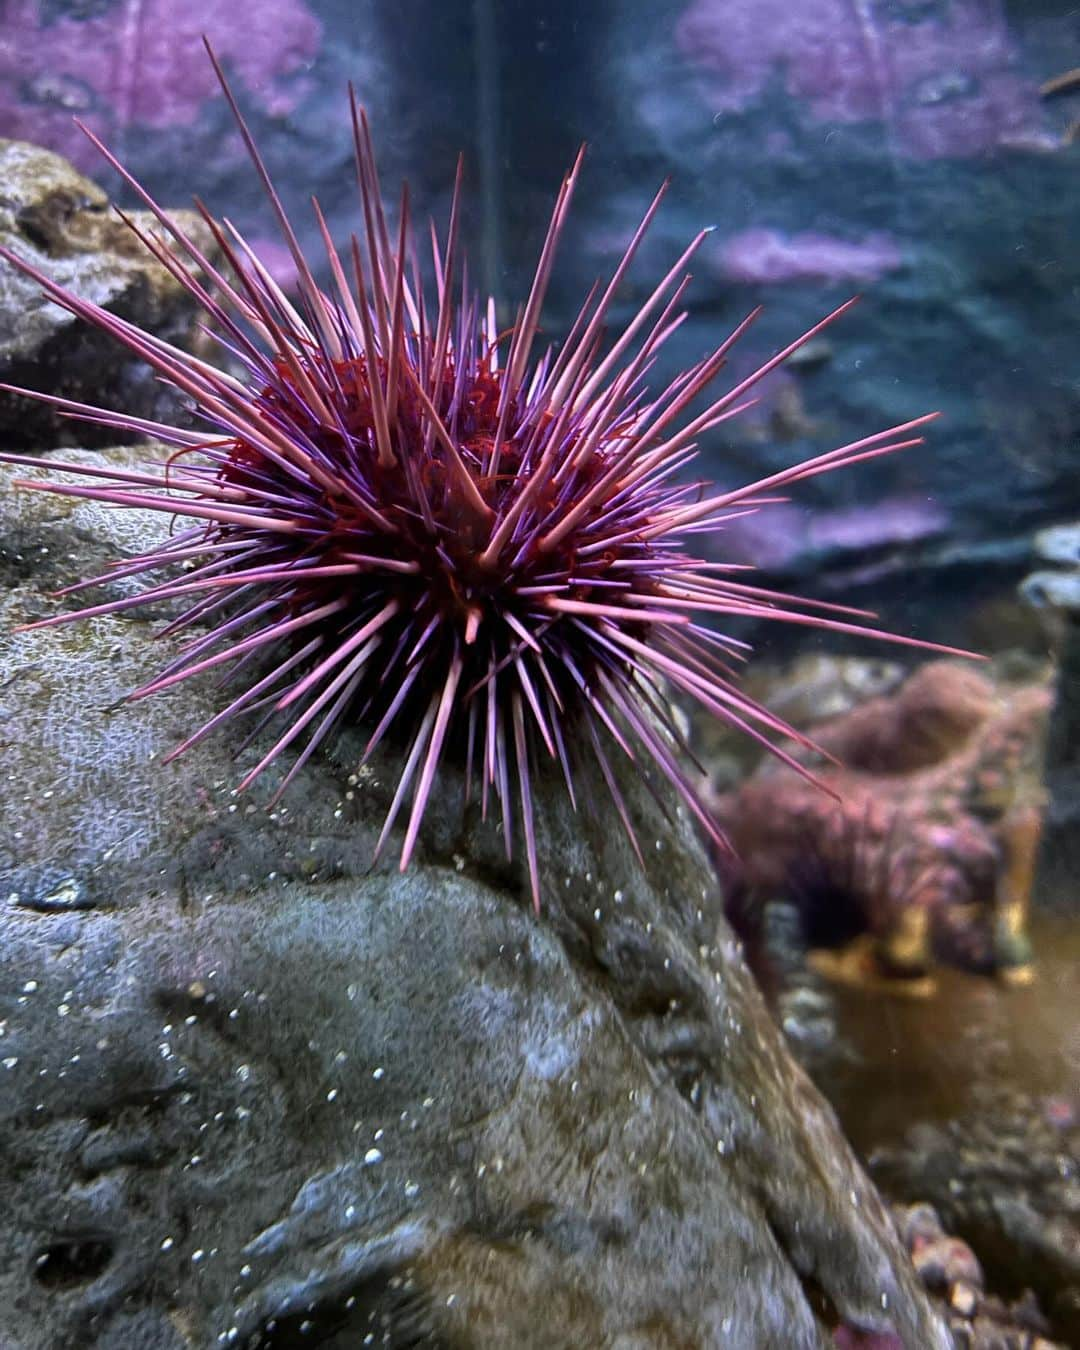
(1008, 1182)
(257, 1093)
(951, 1273)
(62, 223)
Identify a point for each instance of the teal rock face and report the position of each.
(251, 1084)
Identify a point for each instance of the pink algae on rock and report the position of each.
(764, 256)
(944, 79)
(141, 63)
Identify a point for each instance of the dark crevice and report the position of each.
(504, 877)
(150, 1100)
(70, 1262)
(386, 1307)
(567, 1232)
(817, 1298)
(35, 235)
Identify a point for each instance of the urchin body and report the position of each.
(409, 519)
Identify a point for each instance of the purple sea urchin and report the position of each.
(407, 519)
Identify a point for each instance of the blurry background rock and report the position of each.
(951, 1272)
(965, 1099)
(968, 1100)
(62, 222)
(1054, 591)
(925, 839)
(813, 687)
(1009, 1180)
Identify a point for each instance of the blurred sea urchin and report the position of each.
(401, 516)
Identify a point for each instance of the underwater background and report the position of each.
(897, 148)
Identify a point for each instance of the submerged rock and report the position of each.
(259, 1093)
(815, 686)
(62, 223)
(951, 1272)
(925, 850)
(1007, 1181)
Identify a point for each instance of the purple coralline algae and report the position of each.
(141, 63)
(763, 256)
(789, 536)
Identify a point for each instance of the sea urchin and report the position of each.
(400, 515)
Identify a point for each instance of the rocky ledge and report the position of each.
(63, 224)
(256, 1092)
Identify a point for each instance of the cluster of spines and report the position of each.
(404, 517)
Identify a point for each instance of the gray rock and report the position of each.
(257, 1092)
(1006, 1180)
(1059, 857)
(1057, 590)
(61, 222)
